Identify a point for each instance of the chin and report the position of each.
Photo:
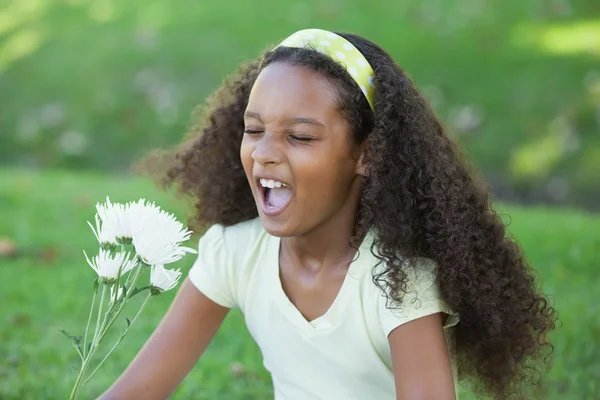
(275, 227)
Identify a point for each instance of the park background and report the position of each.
(88, 87)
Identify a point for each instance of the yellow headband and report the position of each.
(341, 51)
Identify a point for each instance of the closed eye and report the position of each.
(251, 132)
(302, 138)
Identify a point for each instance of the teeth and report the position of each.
(270, 183)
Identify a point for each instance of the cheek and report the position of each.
(246, 150)
(325, 178)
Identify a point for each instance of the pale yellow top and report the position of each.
(343, 354)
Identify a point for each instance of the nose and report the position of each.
(267, 151)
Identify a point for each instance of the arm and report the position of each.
(420, 360)
(173, 349)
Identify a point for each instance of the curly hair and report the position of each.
(421, 197)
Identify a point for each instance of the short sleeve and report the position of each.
(211, 272)
(422, 298)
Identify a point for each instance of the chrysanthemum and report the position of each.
(156, 234)
(163, 279)
(107, 266)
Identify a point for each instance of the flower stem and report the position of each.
(87, 327)
(110, 316)
(120, 338)
(100, 306)
(117, 312)
(79, 382)
(130, 282)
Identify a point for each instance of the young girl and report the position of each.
(343, 222)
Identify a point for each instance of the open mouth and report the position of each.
(275, 195)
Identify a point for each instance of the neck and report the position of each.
(327, 245)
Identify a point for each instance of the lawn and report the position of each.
(47, 286)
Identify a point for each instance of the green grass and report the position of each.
(96, 83)
(48, 286)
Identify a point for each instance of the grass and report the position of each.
(95, 83)
(47, 286)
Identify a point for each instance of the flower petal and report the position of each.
(164, 279)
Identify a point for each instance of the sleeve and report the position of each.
(212, 271)
(422, 298)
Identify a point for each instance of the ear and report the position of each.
(360, 165)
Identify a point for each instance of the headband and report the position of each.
(341, 51)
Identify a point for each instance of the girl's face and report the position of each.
(298, 145)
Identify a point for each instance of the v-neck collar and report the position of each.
(335, 311)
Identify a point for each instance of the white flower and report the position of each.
(115, 227)
(156, 234)
(107, 266)
(163, 279)
(117, 215)
(103, 233)
(112, 294)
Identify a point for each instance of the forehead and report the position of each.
(283, 90)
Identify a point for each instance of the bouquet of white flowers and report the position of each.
(132, 237)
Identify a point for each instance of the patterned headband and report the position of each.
(341, 51)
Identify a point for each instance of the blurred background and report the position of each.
(88, 87)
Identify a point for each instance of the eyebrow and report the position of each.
(251, 114)
(289, 121)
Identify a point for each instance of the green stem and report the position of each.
(132, 273)
(86, 361)
(107, 316)
(100, 331)
(100, 307)
(117, 312)
(120, 338)
(79, 382)
(88, 323)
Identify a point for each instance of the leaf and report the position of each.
(138, 290)
(128, 322)
(96, 284)
(75, 341)
(66, 334)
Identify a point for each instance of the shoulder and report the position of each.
(421, 275)
(422, 295)
(241, 240)
(224, 260)
(234, 237)
(243, 234)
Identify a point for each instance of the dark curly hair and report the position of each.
(420, 196)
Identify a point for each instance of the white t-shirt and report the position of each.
(344, 354)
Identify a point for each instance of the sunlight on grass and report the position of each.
(19, 13)
(102, 11)
(19, 45)
(575, 38)
(536, 159)
(155, 15)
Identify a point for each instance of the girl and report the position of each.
(344, 223)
